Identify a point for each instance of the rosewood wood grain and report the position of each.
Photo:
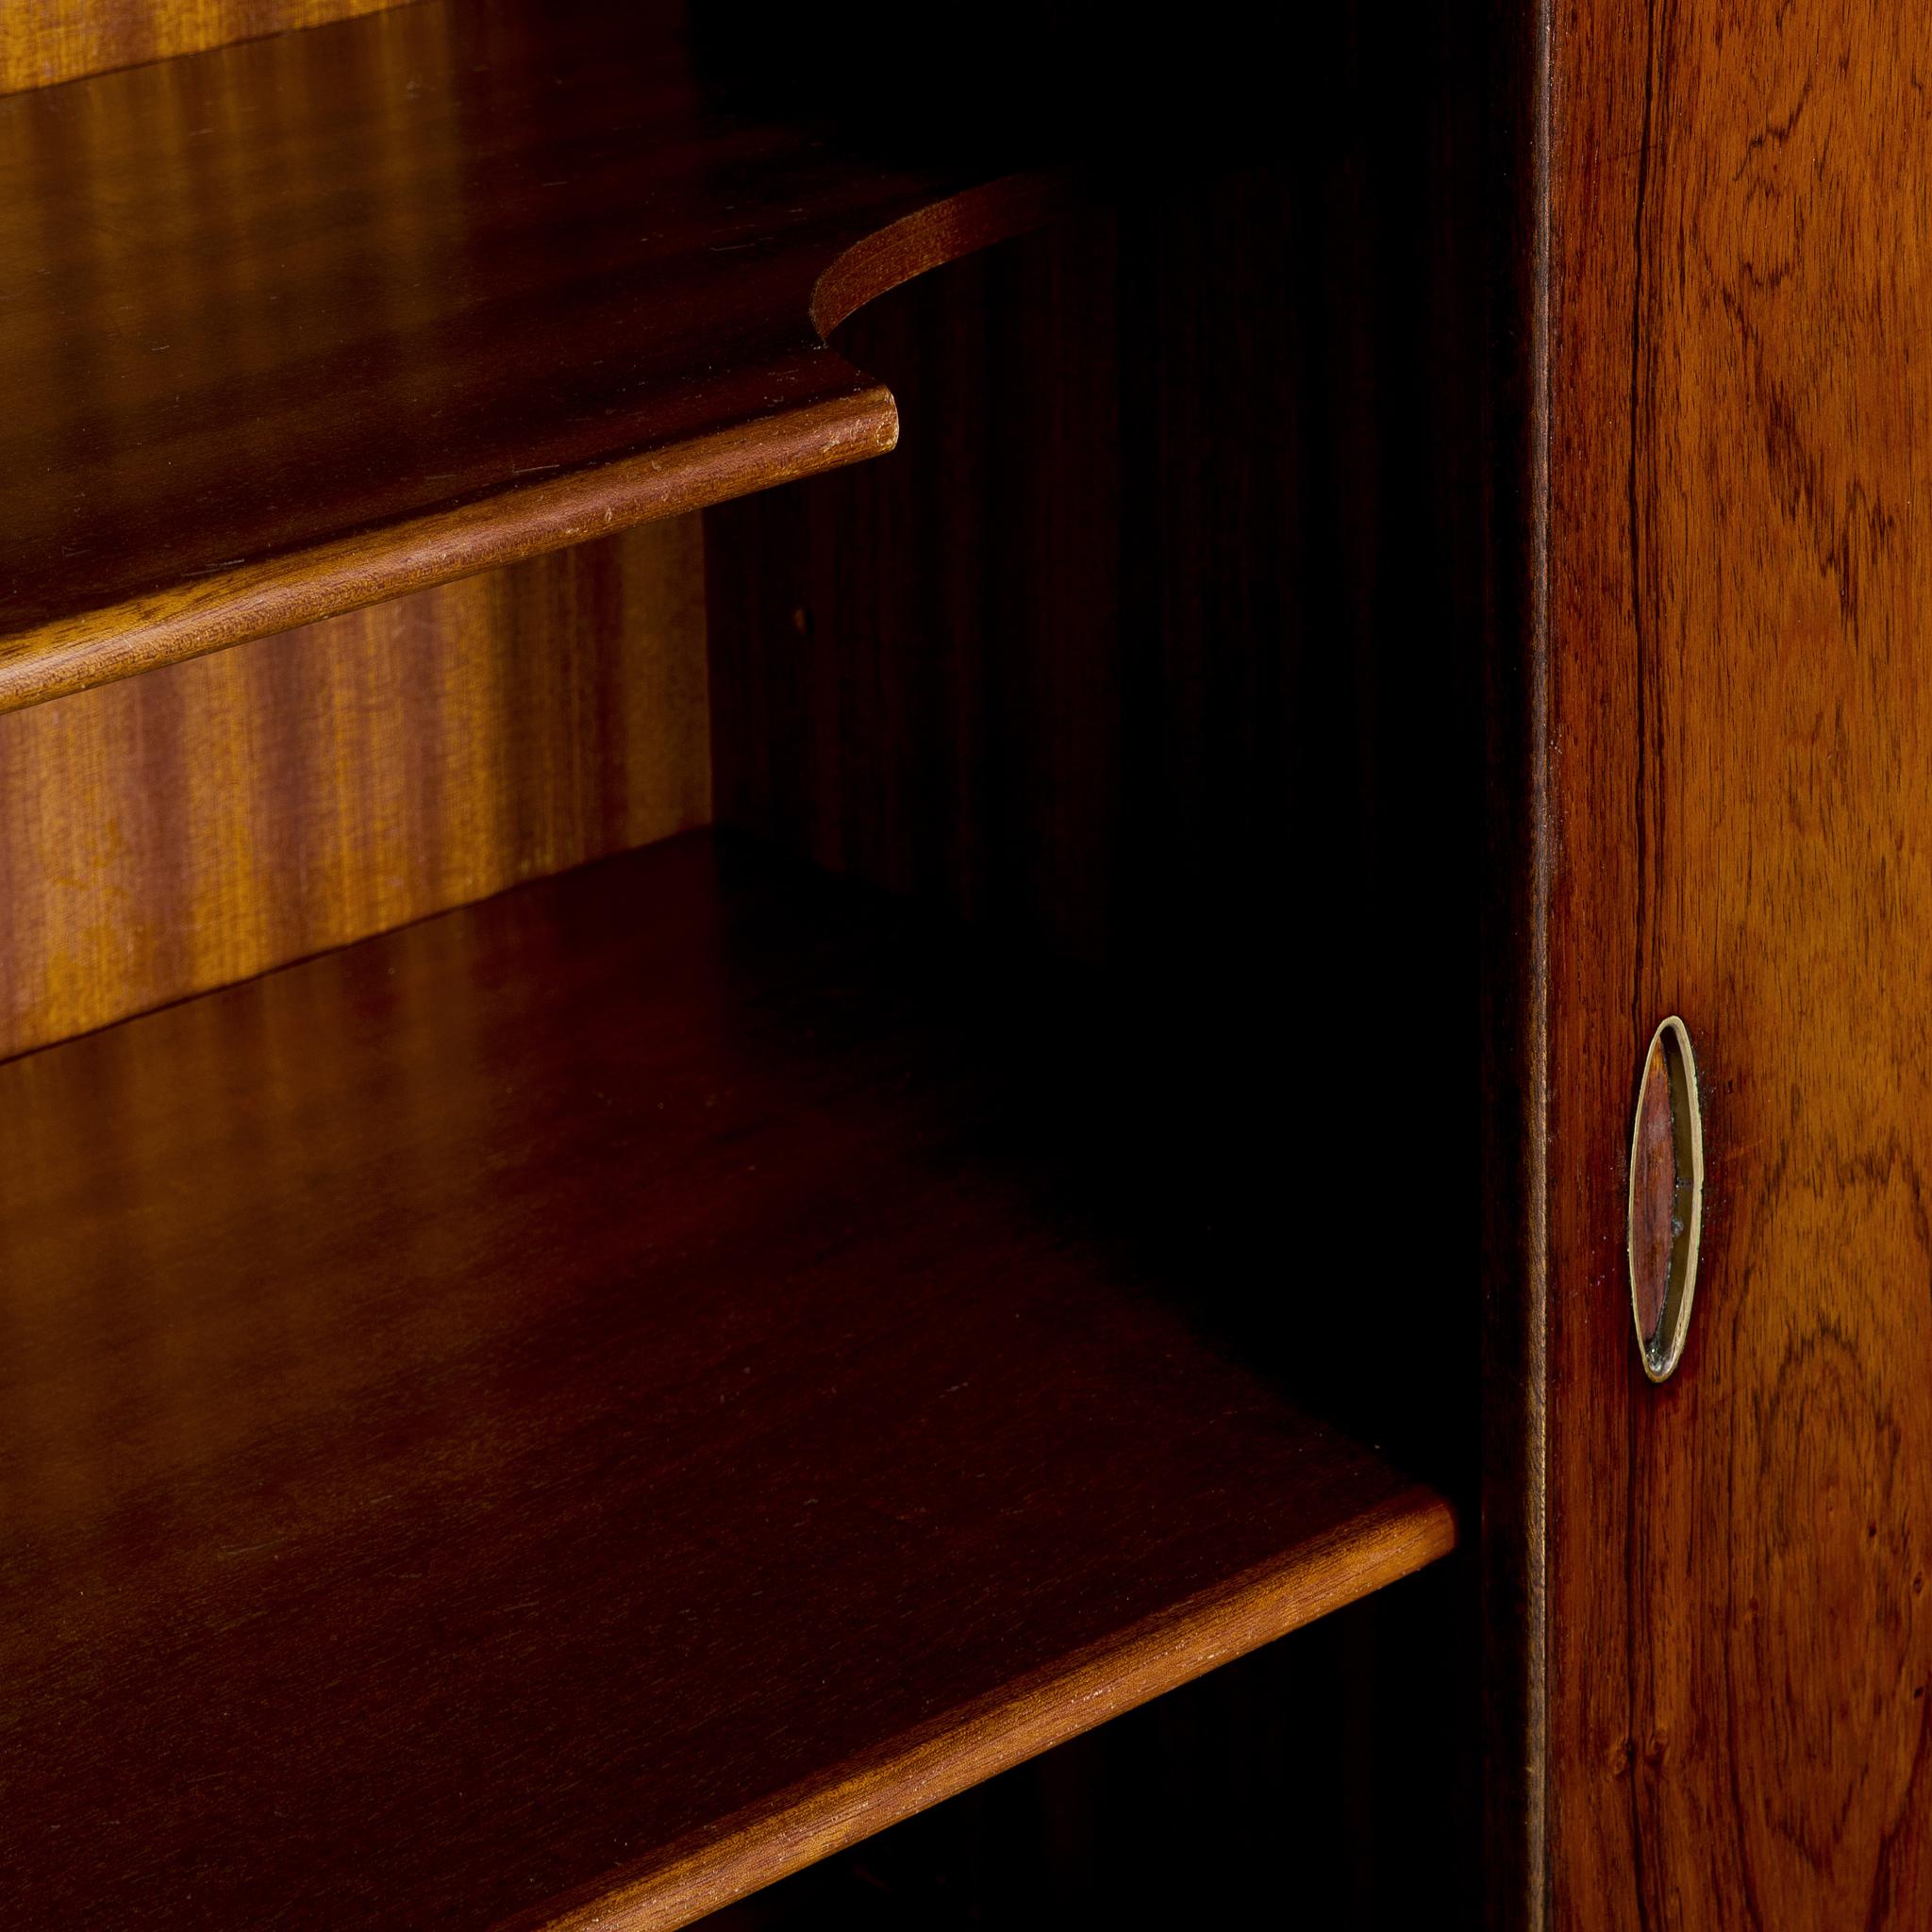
(43, 42)
(182, 832)
(1741, 730)
(575, 1408)
(302, 324)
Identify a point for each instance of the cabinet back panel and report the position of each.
(1150, 643)
(43, 41)
(206, 823)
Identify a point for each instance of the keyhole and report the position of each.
(1666, 1198)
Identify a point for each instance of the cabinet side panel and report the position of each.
(43, 41)
(203, 823)
(1742, 1639)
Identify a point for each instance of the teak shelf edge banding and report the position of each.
(252, 600)
(965, 1748)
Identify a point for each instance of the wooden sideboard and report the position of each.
(744, 765)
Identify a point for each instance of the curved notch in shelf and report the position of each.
(320, 320)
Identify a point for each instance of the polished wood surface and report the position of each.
(185, 830)
(1741, 831)
(43, 41)
(605, 1396)
(1189, 1810)
(315, 319)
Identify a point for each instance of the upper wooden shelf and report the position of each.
(315, 319)
(570, 1411)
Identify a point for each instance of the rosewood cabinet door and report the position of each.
(1735, 773)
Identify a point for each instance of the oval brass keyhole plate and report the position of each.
(1666, 1198)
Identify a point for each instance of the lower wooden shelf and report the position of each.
(564, 1413)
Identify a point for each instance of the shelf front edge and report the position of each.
(962, 1748)
(257, 598)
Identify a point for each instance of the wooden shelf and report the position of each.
(589, 1403)
(311, 321)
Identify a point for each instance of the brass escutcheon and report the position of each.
(1666, 1208)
